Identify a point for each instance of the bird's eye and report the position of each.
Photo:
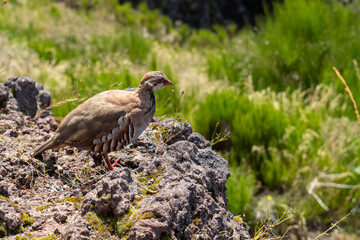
(160, 80)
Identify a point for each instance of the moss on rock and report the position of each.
(26, 219)
(46, 206)
(99, 225)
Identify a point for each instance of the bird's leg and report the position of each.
(107, 161)
(114, 165)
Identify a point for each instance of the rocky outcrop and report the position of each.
(27, 96)
(77, 230)
(113, 194)
(169, 183)
(8, 214)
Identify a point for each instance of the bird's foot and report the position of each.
(108, 163)
(114, 165)
(109, 166)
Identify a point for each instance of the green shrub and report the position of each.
(204, 38)
(143, 18)
(298, 44)
(284, 141)
(224, 66)
(137, 46)
(57, 50)
(241, 187)
(251, 123)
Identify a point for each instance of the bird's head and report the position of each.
(154, 80)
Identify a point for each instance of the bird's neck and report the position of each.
(147, 98)
(144, 92)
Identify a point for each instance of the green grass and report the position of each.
(299, 43)
(274, 89)
(241, 186)
(285, 140)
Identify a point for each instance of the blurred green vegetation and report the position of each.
(301, 42)
(294, 134)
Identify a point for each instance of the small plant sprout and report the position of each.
(267, 226)
(219, 136)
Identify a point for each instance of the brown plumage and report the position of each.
(109, 120)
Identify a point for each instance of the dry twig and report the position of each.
(316, 183)
(349, 92)
(38, 114)
(332, 226)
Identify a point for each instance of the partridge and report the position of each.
(109, 120)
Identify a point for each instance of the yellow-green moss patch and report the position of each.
(77, 201)
(3, 231)
(26, 219)
(8, 200)
(27, 236)
(150, 182)
(19, 237)
(195, 221)
(124, 223)
(51, 237)
(4, 198)
(98, 224)
(147, 215)
(46, 206)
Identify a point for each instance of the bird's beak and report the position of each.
(168, 82)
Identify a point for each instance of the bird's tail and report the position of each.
(49, 144)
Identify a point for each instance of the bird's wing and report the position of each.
(97, 117)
